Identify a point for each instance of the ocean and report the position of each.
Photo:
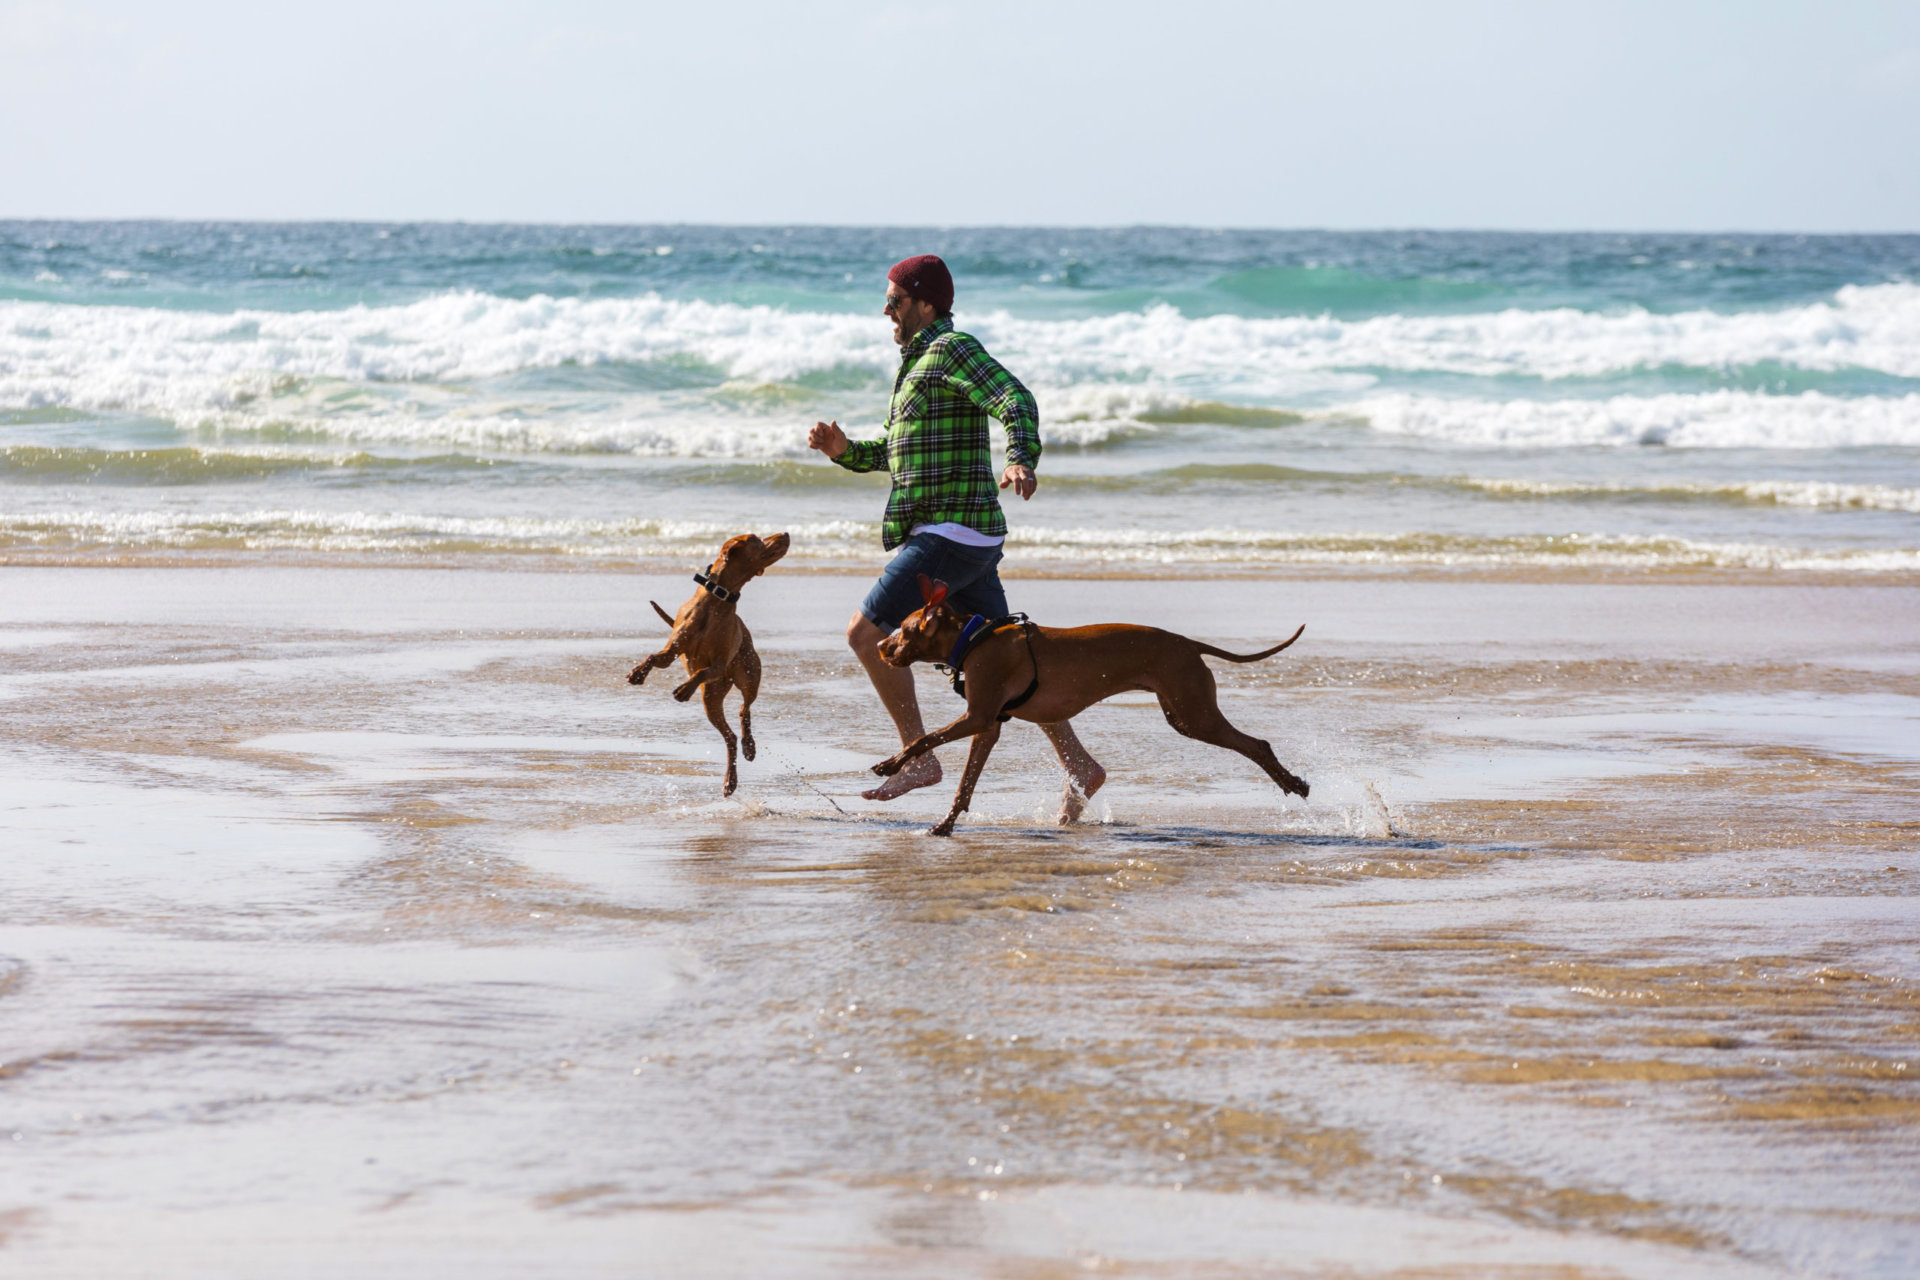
(1212, 401)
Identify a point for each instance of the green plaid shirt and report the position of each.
(936, 444)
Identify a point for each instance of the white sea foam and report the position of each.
(127, 357)
(271, 530)
(175, 361)
(675, 436)
(675, 433)
(1825, 494)
(1097, 416)
(1224, 547)
(1713, 420)
(1869, 327)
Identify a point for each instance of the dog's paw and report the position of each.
(685, 693)
(639, 674)
(888, 767)
(944, 829)
(746, 747)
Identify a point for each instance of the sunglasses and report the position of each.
(895, 301)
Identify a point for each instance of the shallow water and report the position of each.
(363, 921)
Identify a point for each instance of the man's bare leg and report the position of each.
(895, 687)
(1084, 774)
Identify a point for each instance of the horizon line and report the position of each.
(1385, 229)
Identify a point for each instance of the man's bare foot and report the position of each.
(1079, 789)
(921, 771)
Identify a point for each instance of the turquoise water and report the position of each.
(1209, 398)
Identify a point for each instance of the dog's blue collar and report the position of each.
(974, 626)
(719, 592)
(977, 629)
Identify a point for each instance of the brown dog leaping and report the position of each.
(1050, 674)
(715, 645)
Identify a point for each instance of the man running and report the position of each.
(944, 513)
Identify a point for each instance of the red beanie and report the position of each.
(925, 277)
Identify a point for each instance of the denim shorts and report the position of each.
(973, 581)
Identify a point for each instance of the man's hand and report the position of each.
(1019, 477)
(829, 439)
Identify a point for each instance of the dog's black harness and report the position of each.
(719, 592)
(972, 634)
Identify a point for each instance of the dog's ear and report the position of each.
(932, 592)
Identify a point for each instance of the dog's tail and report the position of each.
(1249, 657)
(668, 618)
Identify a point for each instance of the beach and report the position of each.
(357, 918)
(364, 921)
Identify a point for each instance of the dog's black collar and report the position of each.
(719, 592)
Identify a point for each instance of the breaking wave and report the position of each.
(1712, 420)
(185, 464)
(189, 465)
(1820, 494)
(182, 363)
(827, 542)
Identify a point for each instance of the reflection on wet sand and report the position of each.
(439, 937)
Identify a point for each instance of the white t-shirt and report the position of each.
(959, 533)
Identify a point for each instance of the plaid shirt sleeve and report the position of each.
(864, 455)
(986, 382)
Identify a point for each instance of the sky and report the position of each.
(1754, 116)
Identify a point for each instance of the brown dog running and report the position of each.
(1050, 674)
(715, 645)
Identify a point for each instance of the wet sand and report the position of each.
(364, 922)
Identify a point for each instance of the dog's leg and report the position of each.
(1084, 774)
(976, 761)
(714, 696)
(1191, 709)
(967, 726)
(683, 692)
(746, 674)
(664, 658)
